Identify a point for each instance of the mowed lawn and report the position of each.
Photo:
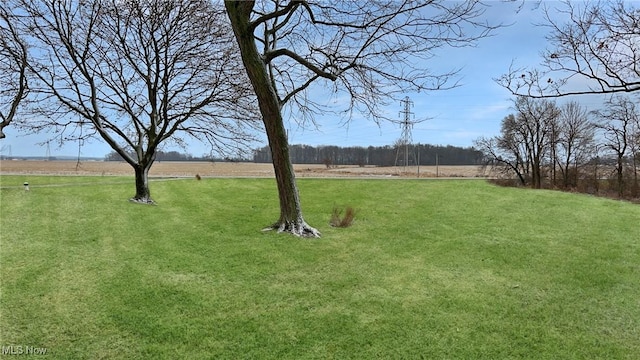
(430, 269)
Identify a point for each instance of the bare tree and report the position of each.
(573, 142)
(616, 123)
(138, 74)
(534, 123)
(13, 68)
(505, 153)
(369, 51)
(595, 52)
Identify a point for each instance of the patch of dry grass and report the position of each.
(228, 169)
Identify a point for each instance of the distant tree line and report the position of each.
(388, 155)
(166, 156)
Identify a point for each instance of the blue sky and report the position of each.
(456, 117)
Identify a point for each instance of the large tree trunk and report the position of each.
(291, 219)
(143, 195)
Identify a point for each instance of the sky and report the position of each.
(454, 117)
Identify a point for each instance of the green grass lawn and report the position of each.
(430, 268)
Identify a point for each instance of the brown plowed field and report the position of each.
(226, 169)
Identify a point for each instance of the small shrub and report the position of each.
(337, 220)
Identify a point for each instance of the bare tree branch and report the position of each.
(13, 68)
(287, 10)
(597, 46)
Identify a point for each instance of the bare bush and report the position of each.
(337, 220)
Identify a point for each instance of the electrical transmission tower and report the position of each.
(47, 156)
(407, 122)
(5, 152)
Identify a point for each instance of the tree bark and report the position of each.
(291, 219)
(143, 195)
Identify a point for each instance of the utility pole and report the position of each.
(418, 160)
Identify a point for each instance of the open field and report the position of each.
(430, 269)
(227, 169)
